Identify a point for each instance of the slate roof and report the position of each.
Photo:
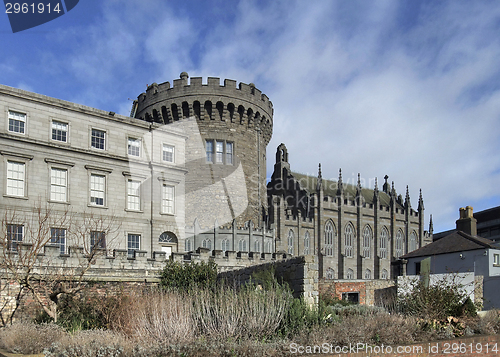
(330, 187)
(455, 242)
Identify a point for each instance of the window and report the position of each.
(229, 153)
(242, 245)
(256, 246)
(413, 242)
(134, 147)
(385, 274)
(367, 240)
(307, 242)
(207, 243)
(351, 297)
(97, 240)
(168, 153)
(59, 131)
(290, 242)
(210, 150)
(384, 237)
(187, 245)
(224, 245)
(330, 274)
(496, 259)
(348, 238)
(224, 152)
(14, 236)
(58, 237)
(98, 139)
(133, 244)
(168, 199)
(58, 185)
(97, 189)
(350, 274)
(17, 122)
(15, 178)
(269, 247)
(329, 236)
(399, 244)
(133, 195)
(368, 274)
(219, 152)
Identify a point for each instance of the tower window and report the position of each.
(221, 151)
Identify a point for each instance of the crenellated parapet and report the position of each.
(241, 104)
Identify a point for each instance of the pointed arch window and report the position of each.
(348, 240)
(330, 274)
(224, 245)
(242, 245)
(349, 274)
(290, 241)
(330, 233)
(368, 274)
(413, 242)
(256, 246)
(385, 274)
(206, 243)
(399, 243)
(307, 243)
(367, 241)
(187, 245)
(384, 237)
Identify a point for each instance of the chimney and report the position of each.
(467, 223)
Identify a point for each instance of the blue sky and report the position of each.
(404, 88)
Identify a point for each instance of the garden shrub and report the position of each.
(187, 276)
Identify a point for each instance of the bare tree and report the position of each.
(48, 253)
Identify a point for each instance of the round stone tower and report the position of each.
(228, 128)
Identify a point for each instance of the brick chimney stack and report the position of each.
(467, 223)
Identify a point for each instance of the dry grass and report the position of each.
(29, 338)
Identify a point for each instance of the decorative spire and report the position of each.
(358, 187)
(420, 202)
(385, 187)
(431, 226)
(320, 179)
(375, 191)
(340, 189)
(393, 190)
(407, 198)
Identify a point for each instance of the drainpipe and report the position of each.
(151, 187)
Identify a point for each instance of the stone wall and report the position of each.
(371, 292)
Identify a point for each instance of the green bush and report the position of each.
(188, 276)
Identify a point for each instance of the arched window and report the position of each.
(367, 241)
(399, 243)
(208, 109)
(413, 242)
(185, 110)
(306, 243)
(230, 109)
(348, 240)
(269, 247)
(384, 274)
(224, 245)
(368, 274)
(187, 245)
(175, 111)
(290, 241)
(206, 243)
(256, 246)
(197, 110)
(220, 109)
(242, 245)
(384, 237)
(330, 233)
(330, 274)
(349, 274)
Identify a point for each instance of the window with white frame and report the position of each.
(219, 152)
(329, 237)
(269, 247)
(256, 246)
(133, 195)
(58, 237)
(348, 240)
(58, 184)
(59, 131)
(496, 259)
(17, 122)
(97, 189)
(367, 241)
(229, 153)
(384, 275)
(206, 243)
(224, 245)
(399, 244)
(349, 274)
(98, 139)
(187, 245)
(168, 153)
(15, 234)
(290, 241)
(307, 243)
(384, 237)
(134, 147)
(97, 240)
(368, 274)
(242, 245)
(413, 242)
(209, 146)
(133, 244)
(16, 176)
(168, 199)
